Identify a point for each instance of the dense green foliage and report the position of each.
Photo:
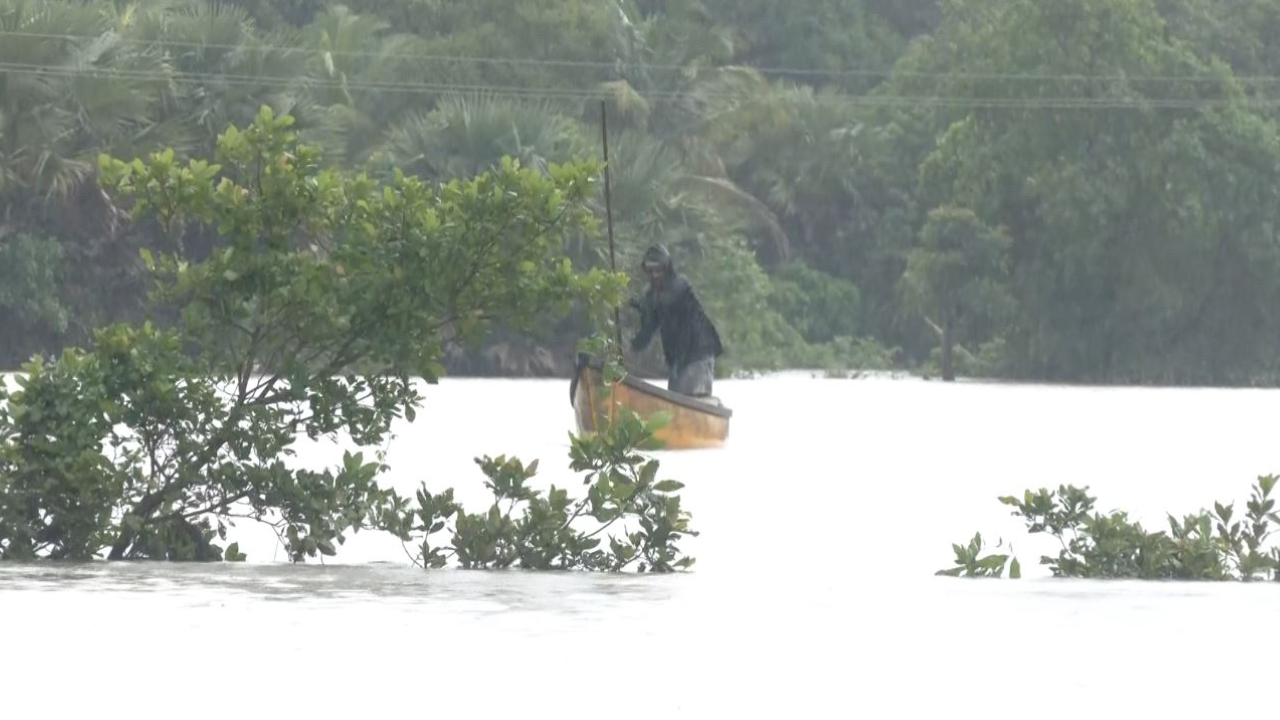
(957, 276)
(329, 298)
(1218, 545)
(623, 486)
(790, 154)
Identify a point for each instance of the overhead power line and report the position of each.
(619, 62)
(582, 93)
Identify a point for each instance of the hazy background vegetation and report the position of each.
(1078, 190)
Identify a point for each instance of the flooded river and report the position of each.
(813, 596)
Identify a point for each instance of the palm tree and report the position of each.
(468, 134)
(366, 80)
(799, 153)
(223, 71)
(70, 87)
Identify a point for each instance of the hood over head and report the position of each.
(657, 256)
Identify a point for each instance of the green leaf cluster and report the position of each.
(1201, 546)
(632, 518)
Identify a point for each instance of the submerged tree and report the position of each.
(955, 275)
(328, 298)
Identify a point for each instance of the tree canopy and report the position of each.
(326, 304)
(791, 155)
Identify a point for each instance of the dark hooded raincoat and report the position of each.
(689, 338)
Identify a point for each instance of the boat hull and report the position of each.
(693, 424)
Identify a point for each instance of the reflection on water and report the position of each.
(813, 595)
(573, 593)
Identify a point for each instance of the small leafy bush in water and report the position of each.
(971, 563)
(1216, 545)
(529, 529)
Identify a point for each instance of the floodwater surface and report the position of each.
(822, 524)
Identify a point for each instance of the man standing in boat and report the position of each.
(690, 342)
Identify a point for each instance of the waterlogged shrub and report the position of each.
(329, 298)
(971, 563)
(58, 489)
(529, 529)
(1201, 546)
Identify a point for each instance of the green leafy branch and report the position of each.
(971, 563)
(1200, 546)
(527, 528)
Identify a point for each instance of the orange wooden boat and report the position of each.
(693, 424)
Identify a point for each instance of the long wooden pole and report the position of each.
(608, 213)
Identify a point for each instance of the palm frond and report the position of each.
(627, 102)
(765, 217)
(469, 133)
